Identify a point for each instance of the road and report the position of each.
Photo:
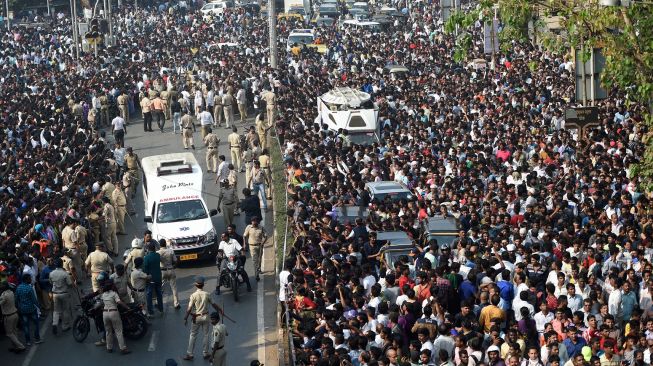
(253, 337)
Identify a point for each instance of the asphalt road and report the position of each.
(252, 337)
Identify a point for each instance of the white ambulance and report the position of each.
(174, 207)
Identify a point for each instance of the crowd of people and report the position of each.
(552, 264)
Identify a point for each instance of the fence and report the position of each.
(279, 181)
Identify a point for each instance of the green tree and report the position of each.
(625, 35)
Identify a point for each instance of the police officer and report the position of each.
(120, 202)
(264, 160)
(168, 273)
(227, 106)
(133, 164)
(138, 281)
(128, 188)
(217, 109)
(136, 252)
(219, 353)
(111, 317)
(270, 101)
(97, 262)
(122, 101)
(255, 237)
(262, 131)
(198, 308)
(68, 264)
(211, 141)
(121, 282)
(62, 284)
(104, 108)
(234, 147)
(70, 241)
(110, 225)
(228, 199)
(165, 98)
(94, 220)
(10, 316)
(187, 130)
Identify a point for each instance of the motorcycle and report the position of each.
(134, 323)
(230, 275)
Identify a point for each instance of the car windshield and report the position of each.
(300, 39)
(181, 211)
(443, 239)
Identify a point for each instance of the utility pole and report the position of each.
(47, 3)
(73, 19)
(8, 22)
(273, 33)
(110, 22)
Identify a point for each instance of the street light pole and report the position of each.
(73, 19)
(273, 33)
(8, 22)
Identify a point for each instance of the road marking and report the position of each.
(153, 339)
(32, 350)
(259, 312)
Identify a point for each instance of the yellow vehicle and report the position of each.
(321, 48)
(289, 16)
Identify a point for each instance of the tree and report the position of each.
(625, 35)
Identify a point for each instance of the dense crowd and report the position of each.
(552, 265)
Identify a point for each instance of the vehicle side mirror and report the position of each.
(148, 219)
(213, 212)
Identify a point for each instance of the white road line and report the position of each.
(32, 350)
(259, 313)
(153, 339)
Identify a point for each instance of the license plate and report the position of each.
(187, 257)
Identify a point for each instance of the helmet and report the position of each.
(101, 277)
(137, 243)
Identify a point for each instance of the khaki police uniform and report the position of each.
(217, 110)
(247, 161)
(110, 224)
(187, 129)
(165, 97)
(227, 106)
(94, 220)
(168, 273)
(107, 191)
(111, 318)
(62, 284)
(128, 192)
(255, 238)
(139, 282)
(228, 199)
(270, 102)
(82, 235)
(70, 241)
(262, 132)
(10, 317)
(198, 305)
(123, 107)
(211, 141)
(133, 254)
(234, 148)
(122, 285)
(219, 340)
(121, 209)
(104, 109)
(98, 261)
(68, 266)
(264, 160)
(131, 161)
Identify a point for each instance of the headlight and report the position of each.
(171, 241)
(211, 236)
(231, 266)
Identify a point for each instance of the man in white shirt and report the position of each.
(423, 337)
(206, 120)
(520, 302)
(614, 304)
(241, 99)
(574, 300)
(119, 130)
(230, 247)
(542, 317)
(369, 280)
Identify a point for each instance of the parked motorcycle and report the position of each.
(230, 276)
(134, 323)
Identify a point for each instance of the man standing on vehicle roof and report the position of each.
(211, 140)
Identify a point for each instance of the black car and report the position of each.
(252, 8)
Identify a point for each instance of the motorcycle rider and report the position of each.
(230, 247)
(111, 317)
